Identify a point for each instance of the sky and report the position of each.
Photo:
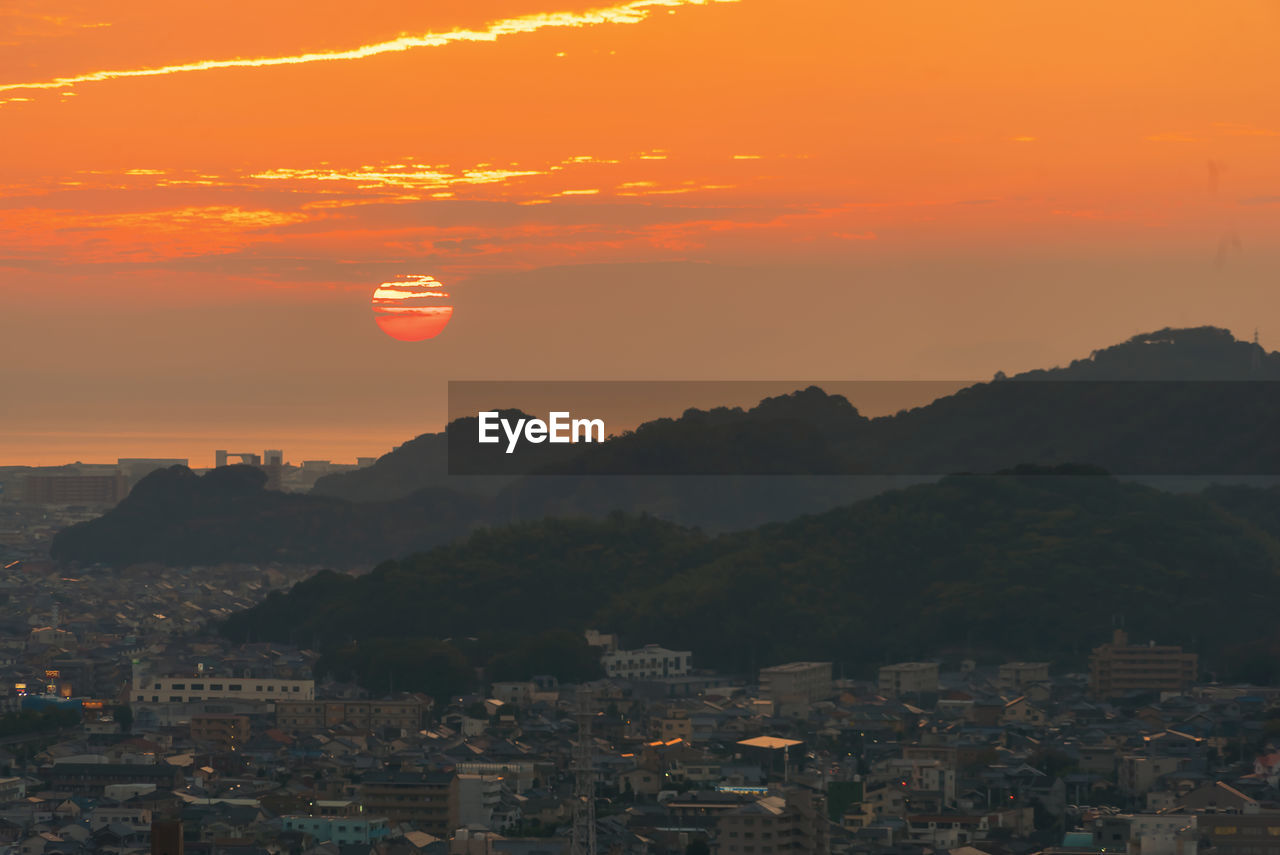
(197, 201)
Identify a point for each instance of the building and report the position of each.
(648, 662)
(313, 715)
(226, 731)
(1014, 677)
(795, 822)
(478, 798)
(93, 778)
(12, 789)
(205, 686)
(1137, 774)
(795, 684)
(342, 830)
(85, 485)
(428, 800)
(908, 678)
(1238, 834)
(1120, 668)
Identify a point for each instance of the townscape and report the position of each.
(140, 723)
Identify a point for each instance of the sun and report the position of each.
(413, 307)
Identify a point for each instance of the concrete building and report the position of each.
(83, 485)
(429, 800)
(478, 798)
(92, 778)
(794, 821)
(1238, 834)
(225, 731)
(1119, 668)
(188, 688)
(1136, 774)
(908, 678)
(647, 662)
(312, 715)
(795, 685)
(342, 830)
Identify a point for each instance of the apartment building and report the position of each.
(648, 662)
(313, 715)
(429, 800)
(188, 688)
(1119, 668)
(796, 685)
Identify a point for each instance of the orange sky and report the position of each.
(192, 219)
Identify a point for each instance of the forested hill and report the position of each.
(988, 426)
(1030, 565)
(1165, 403)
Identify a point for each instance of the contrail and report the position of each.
(624, 13)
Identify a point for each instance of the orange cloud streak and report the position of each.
(624, 13)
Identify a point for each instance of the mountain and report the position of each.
(1192, 402)
(1034, 564)
(173, 516)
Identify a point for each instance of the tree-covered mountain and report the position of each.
(986, 426)
(1033, 564)
(1179, 402)
(174, 516)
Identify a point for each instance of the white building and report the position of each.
(151, 688)
(478, 798)
(647, 662)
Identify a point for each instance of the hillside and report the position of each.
(1030, 565)
(173, 516)
(1193, 403)
(810, 432)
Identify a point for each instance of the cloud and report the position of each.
(624, 13)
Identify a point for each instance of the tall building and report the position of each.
(1118, 668)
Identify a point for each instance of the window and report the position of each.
(197, 687)
(175, 699)
(178, 687)
(234, 687)
(215, 687)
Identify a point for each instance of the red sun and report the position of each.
(412, 308)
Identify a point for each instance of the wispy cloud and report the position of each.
(624, 13)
